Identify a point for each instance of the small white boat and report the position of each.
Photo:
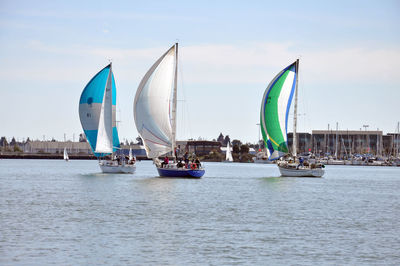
(335, 162)
(262, 157)
(292, 170)
(66, 157)
(228, 157)
(108, 166)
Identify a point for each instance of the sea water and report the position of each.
(68, 213)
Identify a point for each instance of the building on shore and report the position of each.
(343, 143)
(81, 148)
(202, 147)
(54, 147)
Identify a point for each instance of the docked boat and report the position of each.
(97, 112)
(274, 115)
(155, 116)
(262, 157)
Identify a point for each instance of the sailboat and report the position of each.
(130, 155)
(155, 115)
(97, 112)
(274, 115)
(228, 157)
(66, 157)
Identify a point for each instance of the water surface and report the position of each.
(56, 212)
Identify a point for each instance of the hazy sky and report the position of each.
(229, 51)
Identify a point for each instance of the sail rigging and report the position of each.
(275, 108)
(155, 118)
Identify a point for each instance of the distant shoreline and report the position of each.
(46, 156)
(52, 156)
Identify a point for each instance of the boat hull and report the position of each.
(263, 161)
(181, 172)
(315, 172)
(117, 169)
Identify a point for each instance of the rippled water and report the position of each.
(56, 212)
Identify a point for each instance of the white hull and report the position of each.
(302, 172)
(335, 162)
(263, 161)
(112, 167)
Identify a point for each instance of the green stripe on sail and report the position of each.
(275, 133)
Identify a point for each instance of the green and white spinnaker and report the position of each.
(275, 108)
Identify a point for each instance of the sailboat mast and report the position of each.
(295, 111)
(174, 101)
(397, 142)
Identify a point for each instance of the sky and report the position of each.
(228, 53)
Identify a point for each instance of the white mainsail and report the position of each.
(228, 153)
(155, 105)
(66, 154)
(104, 143)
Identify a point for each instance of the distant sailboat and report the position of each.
(228, 157)
(274, 115)
(66, 157)
(97, 113)
(155, 114)
(130, 155)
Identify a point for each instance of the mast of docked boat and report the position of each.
(336, 141)
(295, 111)
(395, 145)
(174, 101)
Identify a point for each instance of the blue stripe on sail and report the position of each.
(269, 146)
(114, 91)
(291, 96)
(94, 90)
(115, 139)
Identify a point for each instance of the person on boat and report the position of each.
(165, 162)
(186, 158)
(197, 162)
(301, 162)
(176, 152)
(179, 164)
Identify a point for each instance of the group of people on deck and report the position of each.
(122, 159)
(184, 162)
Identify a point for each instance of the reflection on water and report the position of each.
(70, 213)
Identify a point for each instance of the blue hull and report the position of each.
(188, 173)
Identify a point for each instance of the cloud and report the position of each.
(220, 63)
